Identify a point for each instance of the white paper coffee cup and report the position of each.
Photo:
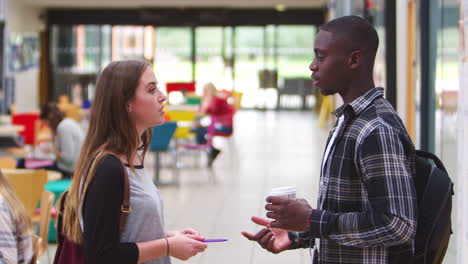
(288, 192)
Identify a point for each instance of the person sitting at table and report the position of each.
(215, 105)
(16, 231)
(68, 135)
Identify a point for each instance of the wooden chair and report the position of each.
(36, 243)
(7, 163)
(28, 185)
(47, 200)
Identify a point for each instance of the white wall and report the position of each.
(27, 91)
(462, 188)
(22, 19)
(402, 54)
(462, 185)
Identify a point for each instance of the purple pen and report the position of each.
(214, 240)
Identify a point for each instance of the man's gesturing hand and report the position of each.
(272, 239)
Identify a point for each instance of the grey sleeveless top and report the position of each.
(146, 220)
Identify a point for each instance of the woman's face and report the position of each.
(146, 107)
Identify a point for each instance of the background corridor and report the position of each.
(268, 149)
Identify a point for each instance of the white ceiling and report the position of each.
(170, 3)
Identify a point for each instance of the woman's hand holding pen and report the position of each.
(186, 231)
(185, 246)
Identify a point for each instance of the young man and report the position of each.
(366, 211)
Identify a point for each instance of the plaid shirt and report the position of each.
(367, 201)
(15, 247)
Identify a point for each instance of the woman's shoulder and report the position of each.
(110, 163)
(108, 173)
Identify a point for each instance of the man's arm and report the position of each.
(384, 166)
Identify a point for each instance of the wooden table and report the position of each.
(9, 130)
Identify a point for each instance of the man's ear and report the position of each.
(355, 59)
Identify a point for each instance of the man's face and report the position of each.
(329, 67)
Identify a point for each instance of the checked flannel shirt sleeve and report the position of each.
(390, 216)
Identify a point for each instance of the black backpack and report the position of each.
(434, 190)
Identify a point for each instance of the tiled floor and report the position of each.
(269, 149)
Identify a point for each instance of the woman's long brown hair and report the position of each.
(111, 130)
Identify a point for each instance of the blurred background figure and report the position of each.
(67, 136)
(15, 227)
(215, 105)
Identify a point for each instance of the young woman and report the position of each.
(68, 136)
(15, 227)
(126, 105)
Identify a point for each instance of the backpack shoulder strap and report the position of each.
(434, 158)
(125, 207)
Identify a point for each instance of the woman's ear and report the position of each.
(129, 107)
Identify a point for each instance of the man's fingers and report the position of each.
(276, 199)
(248, 235)
(261, 234)
(272, 207)
(272, 216)
(276, 224)
(260, 221)
(264, 241)
(270, 243)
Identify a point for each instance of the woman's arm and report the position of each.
(101, 217)
(101, 213)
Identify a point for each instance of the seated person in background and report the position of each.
(68, 135)
(16, 230)
(221, 112)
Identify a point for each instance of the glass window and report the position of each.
(248, 62)
(209, 57)
(173, 54)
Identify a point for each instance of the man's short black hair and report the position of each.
(359, 32)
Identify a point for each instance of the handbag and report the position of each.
(69, 252)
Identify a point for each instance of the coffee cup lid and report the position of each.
(283, 190)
